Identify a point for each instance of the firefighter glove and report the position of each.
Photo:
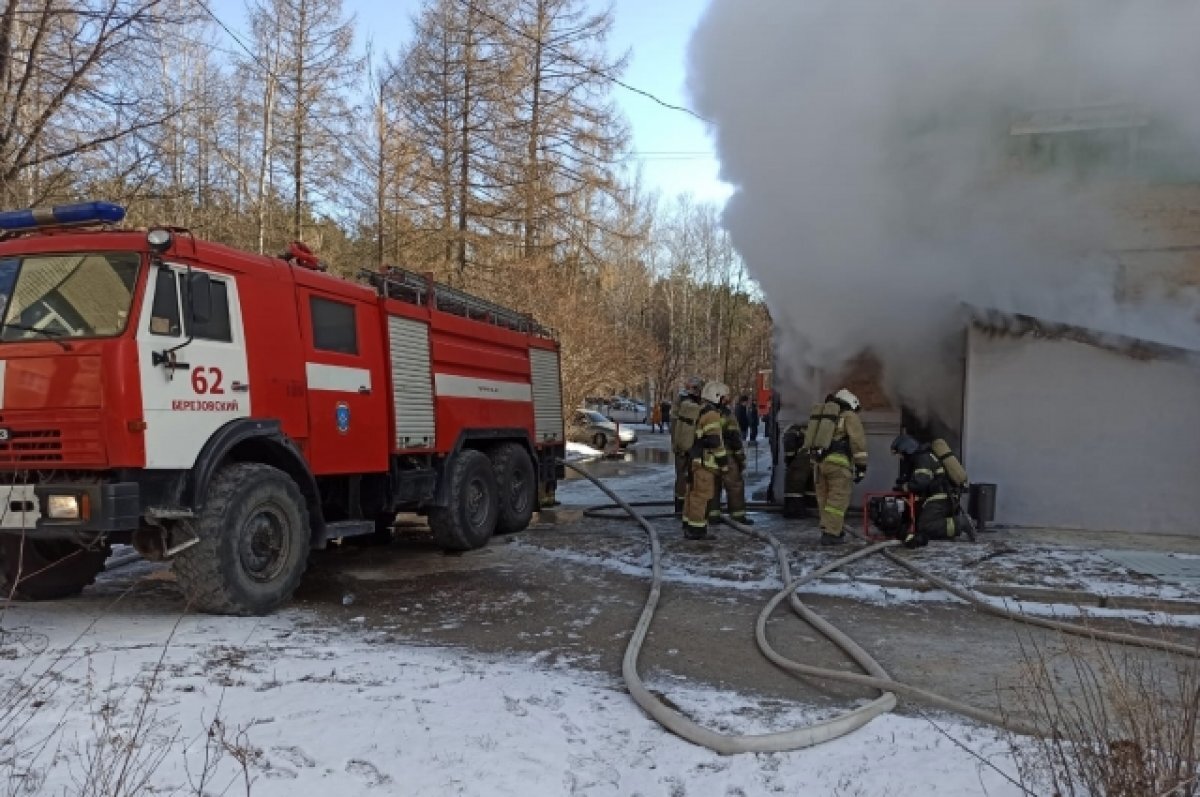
(860, 472)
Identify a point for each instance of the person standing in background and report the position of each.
(656, 419)
(754, 421)
(742, 413)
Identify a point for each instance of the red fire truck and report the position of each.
(229, 411)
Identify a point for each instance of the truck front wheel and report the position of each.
(468, 519)
(253, 533)
(41, 570)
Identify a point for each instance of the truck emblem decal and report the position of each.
(342, 415)
(5, 435)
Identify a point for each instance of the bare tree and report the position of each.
(456, 86)
(568, 137)
(307, 78)
(61, 87)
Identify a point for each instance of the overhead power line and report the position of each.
(597, 72)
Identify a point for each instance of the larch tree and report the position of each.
(456, 85)
(568, 138)
(316, 68)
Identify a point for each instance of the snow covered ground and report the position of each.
(314, 710)
(307, 704)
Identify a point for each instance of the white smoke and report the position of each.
(868, 144)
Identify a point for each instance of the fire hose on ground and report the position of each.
(874, 676)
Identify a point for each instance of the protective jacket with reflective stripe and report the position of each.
(709, 438)
(849, 442)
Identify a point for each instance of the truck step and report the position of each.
(348, 528)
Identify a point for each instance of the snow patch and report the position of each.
(439, 721)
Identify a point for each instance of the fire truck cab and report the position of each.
(230, 411)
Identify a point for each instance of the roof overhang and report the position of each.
(998, 323)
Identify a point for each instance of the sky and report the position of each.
(672, 149)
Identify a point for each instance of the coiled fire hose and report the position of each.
(727, 744)
(874, 677)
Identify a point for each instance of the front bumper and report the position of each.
(105, 507)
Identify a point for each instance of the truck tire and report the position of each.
(472, 503)
(46, 569)
(254, 536)
(599, 441)
(516, 485)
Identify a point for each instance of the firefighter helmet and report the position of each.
(693, 385)
(903, 444)
(847, 398)
(715, 391)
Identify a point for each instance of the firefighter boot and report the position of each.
(832, 539)
(743, 518)
(679, 507)
(793, 507)
(695, 532)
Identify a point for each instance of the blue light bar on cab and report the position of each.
(61, 216)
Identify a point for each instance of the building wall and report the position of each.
(1076, 436)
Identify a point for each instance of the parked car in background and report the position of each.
(593, 429)
(623, 410)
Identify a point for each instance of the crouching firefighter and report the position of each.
(797, 481)
(733, 477)
(840, 465)
(935, 478)
(683, 435)
(707, 459)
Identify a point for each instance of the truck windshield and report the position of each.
(78, 295)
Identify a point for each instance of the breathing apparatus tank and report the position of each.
(821, 425)
(683, 425)
(955, 471)
(810, 428)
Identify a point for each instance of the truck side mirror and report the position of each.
(200, 304)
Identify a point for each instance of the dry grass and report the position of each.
(125, 742)
(1117, 722)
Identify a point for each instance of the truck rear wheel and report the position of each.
(469, 517)
(517, 485)
(253, 544)
(41, 570)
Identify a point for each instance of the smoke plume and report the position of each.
(871, 147)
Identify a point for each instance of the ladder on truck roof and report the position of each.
(408, 286)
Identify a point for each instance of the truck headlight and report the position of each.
(63, 507)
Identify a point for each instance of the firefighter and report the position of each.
(936, 496)
(843, 466)
(706, 459)
(798, 475)
(683, 434)
(732, 478)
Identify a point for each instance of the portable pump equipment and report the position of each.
(230, 411)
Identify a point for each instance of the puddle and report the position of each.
(655, 456)
(627, 464)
